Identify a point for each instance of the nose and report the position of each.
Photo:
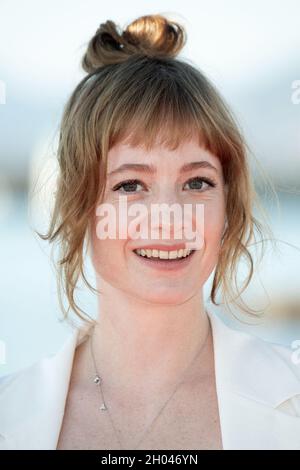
(175, 218)
(167, 193)
(166, 213)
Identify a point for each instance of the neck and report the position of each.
(141, 346)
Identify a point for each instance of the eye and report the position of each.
(128, 186)
(196, 184)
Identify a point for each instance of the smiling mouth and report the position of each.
(164, 255)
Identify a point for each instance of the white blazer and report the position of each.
(258, 390)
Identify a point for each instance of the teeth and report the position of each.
(164, 254)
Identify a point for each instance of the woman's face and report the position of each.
(188, 177)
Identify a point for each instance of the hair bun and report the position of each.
(151, 35)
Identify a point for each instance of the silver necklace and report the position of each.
(97, 379)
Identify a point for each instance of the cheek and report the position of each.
(210, 218)
(214, 220)
(107, 255)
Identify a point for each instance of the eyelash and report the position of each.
(209, 181)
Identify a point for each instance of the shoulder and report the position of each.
(43, 362)
(265, 371)
(56, 360)
(34, 398)
(239, 341)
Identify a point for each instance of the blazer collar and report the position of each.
(251, 367)
(258, 390)
(32, 401)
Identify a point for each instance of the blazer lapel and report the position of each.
(254, 380)
(250, 425)
(33, 420)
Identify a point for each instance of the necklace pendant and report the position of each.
(97, 379)
(103, 407)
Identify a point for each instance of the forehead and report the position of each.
(161, 156)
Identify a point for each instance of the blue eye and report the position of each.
(196, 184)
(128, 186)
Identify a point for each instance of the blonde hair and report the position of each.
(136, 88)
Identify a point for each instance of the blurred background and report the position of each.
(250, 51)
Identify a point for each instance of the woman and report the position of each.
(157, 369)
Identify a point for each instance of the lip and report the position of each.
(166, 265)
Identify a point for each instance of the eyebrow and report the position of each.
(150, 169)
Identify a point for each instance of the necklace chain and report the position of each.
(98, 381)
